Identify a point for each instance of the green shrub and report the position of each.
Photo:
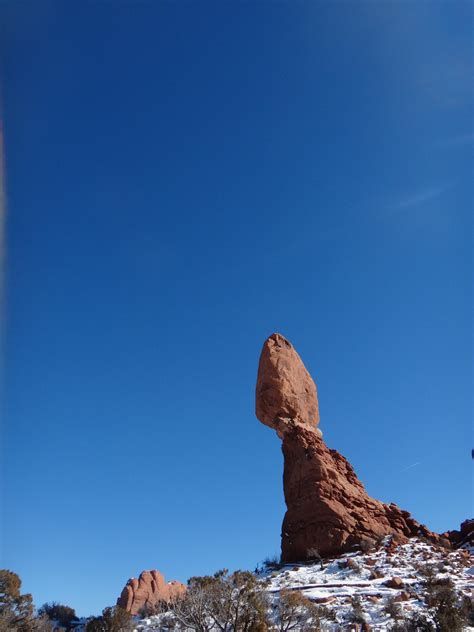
(415, 623)
(64, 615)
(16, 610)
(448, 614)
(114, 619)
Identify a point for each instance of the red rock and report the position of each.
(147, 591)
(324, 600)
(328, 508)
(463, 537)
(395, 582)
(286, 393)
(403, 596)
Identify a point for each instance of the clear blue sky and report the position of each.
(183, 179)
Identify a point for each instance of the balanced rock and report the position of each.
(148, 591)
(286, 393)
(328, 509)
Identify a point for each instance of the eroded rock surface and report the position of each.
(464, 537)
(328, 508)
(147, 591)
(286, 393)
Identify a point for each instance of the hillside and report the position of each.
(392, 581)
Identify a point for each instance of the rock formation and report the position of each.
(464, 538)
(148, 591)
(328, 510)
(286, 393)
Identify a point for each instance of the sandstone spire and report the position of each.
(328, 509)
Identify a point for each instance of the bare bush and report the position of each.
(294, 611)
(229, 603)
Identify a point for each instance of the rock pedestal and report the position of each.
(328, 510)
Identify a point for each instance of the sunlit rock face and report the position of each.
(328, 509)
(286, 393)
(147, 591)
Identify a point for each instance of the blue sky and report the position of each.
(182, 180)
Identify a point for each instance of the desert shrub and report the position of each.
(294, 611)
(428, 574)
(227, 602)
(416, 623)
(64, 615)
(152, 610)
(6, 622)
(393, 608)
(440, 592)
(448, 614)
(96, 624)
(356, 615)
(43, 624)
(353, 565)
(313, 556)
(272, 562)
(443, 566)
(467, 605)
(114, 619)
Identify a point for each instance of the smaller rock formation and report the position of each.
(464, 538)
(148, 591)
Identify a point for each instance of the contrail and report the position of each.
(408, 467)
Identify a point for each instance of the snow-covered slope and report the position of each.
(367, 576)
(391, 573)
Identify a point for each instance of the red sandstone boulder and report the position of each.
(148, 591)
(395, 582)
(286, 393)
(328, 509)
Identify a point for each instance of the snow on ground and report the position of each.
(365, 575)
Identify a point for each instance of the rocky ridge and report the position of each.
(462, 538)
